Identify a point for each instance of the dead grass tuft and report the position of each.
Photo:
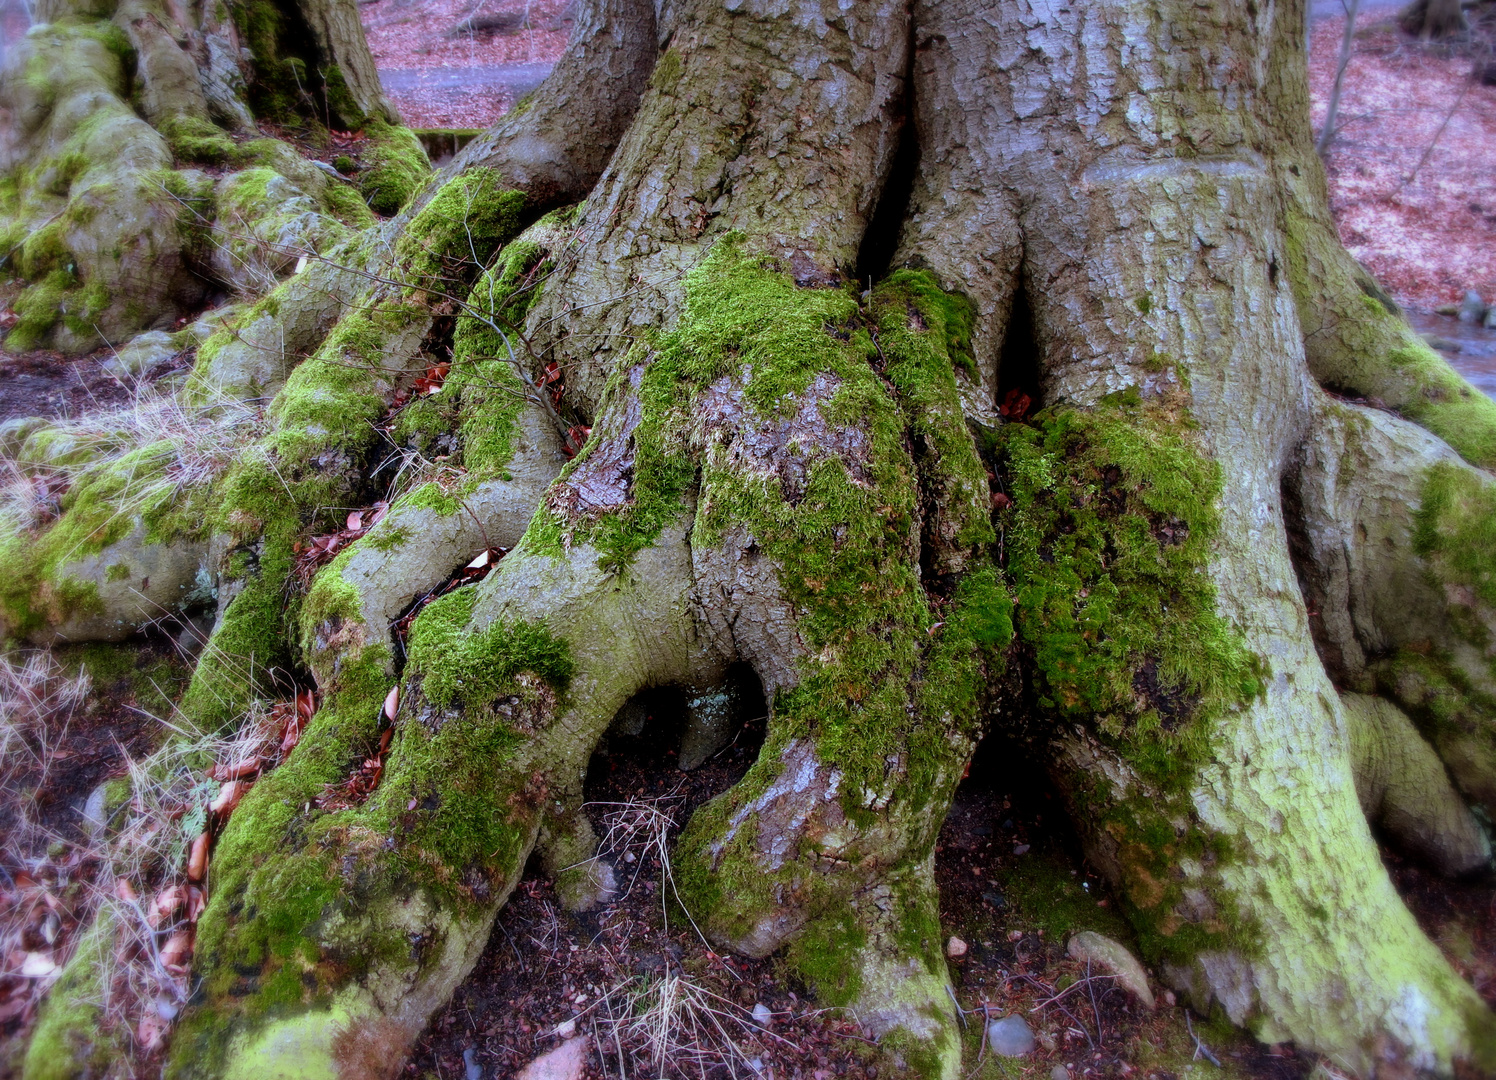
(371, 1049)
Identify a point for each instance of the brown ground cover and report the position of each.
(1427, 231)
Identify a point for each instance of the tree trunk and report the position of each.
(799, 309)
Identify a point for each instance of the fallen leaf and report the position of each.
(197, 861)
(150, 1031)
(178, 950)
(165, 905)
(228, 797)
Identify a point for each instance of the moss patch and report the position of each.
(396, 167)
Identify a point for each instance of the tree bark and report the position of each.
(820, 256)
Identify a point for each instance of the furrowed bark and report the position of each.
(1198, 322)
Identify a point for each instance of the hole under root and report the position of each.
(1020, 382)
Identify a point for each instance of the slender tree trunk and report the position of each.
(794, 385)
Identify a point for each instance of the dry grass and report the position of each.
(674, 1026)
(38, 869)
(189, 446)
(129, 869)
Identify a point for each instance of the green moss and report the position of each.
(459, 662)
(102, 507)
(396, 167)
(667, 72)
(923, 335)
(828, 955)
(1109, 533)
(345, 204)
(463, 223)
(1042, 891)
(894, 674)
(39, 309)
(194, 140)
(1455, 529)
(344, 111)
(483, 380)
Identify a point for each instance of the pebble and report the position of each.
(1059, 1072)
(1111, 956)
(1472, 308)
(955, 947)
(762, 1015)
(1010, 1037)
(472, 1070)
(565, 1062)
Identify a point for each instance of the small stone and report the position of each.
(1472, 308)
(93, 810)
(1434, 341)
(762, 1015)
(565, 1062)
(1111, 956)
(995, 899)
(566, 1028)
(1020, 849)
(1010, 1037)
(471, 1069)
(1059, 1072)
(955, 947)
(1169, 999)
(141, 353)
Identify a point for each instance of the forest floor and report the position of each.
(1409, 176)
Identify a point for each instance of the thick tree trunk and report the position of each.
(793, 385)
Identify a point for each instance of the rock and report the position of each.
(955, 947)
(565, 1062)
(1059, 1072)
(1472, 308)
(94, 811)
(762, 1015)
(1010, 1037)
(1434, 341)
(1447, 309)
(470, 1067)
(1490, 320)
(14, 433)
(140, 354)
(1101, 951)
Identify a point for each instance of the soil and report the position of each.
(544, 967)
(1013, 886)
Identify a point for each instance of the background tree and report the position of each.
(958, 367)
